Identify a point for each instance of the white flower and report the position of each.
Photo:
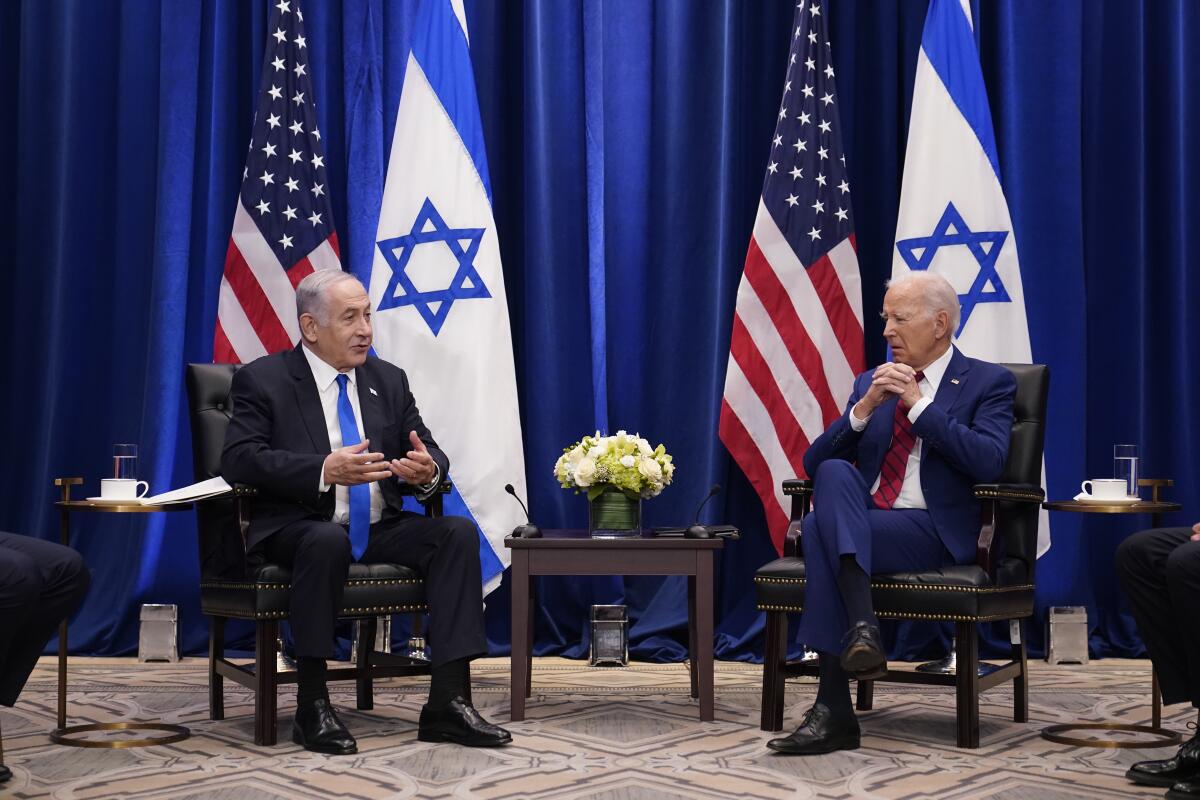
(644, 447)
(585, 472)
(650, 470)
(627, 461)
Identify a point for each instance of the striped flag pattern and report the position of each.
(283, 224)
(797, 340)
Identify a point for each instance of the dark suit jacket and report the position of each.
(277, 439)
(964, 435)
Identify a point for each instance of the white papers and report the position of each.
(197, 491)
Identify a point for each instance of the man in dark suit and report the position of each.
(41, 584)
(326, 432)
(1160, 572)
(893, 480)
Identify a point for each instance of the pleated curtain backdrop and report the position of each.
(627, 142)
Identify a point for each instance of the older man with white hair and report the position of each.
(893, 480)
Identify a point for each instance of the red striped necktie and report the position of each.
(895, 463)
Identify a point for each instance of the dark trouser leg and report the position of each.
(445, 550)
(318, 554)
(834, 688)
(1156, 581)
(41, 583)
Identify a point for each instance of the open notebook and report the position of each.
(187, 494)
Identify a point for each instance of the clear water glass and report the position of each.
(1125, 467)
(125, 461)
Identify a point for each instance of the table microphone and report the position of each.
(528, 530)
(696, 530)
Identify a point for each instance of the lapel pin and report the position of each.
(372, 390)
(952, 380)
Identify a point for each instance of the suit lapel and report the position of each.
(308, 399)
(372, 407)
(952, 382)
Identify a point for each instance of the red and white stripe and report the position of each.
(256, 312)
(796, 347)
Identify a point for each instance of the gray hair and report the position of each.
(311, 293)
(936, 292)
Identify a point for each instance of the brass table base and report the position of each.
(177, 734)
(1165, 738)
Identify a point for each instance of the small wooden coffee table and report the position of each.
(574, 552)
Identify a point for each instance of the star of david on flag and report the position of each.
(952, 175)
(985, 246)
(438, 286)
(434, 305)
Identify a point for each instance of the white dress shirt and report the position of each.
(911, 495)
(326, 377)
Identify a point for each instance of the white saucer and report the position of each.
(1109, 501)
(113, 501)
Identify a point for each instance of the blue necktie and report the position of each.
(360, 495)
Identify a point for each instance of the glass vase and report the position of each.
(613, 514)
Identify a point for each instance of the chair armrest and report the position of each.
(990, 494)
(798, 486)
(1015, 492)
(800, 490)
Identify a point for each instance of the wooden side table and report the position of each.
(62, 734)
(574, 552)
(1155, 507)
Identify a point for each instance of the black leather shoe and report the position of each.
(1184, 790)
(863, 656)
(317, 728)
(819, 733)
(460, 723)
(1183, 766)
(5, 773)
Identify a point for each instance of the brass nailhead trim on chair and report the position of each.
(345, 612)
(994, 495)
(278, 586)
(930, 617)
(919, 587)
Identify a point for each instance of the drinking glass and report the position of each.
(1125, 467)
(125, 461)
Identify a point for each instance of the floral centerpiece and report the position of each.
(617, 472)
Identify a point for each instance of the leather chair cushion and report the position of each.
(371, 590)
(958, 593)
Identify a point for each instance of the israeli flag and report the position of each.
(437, 286)
(953, 216)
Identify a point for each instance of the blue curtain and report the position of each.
(627, 143)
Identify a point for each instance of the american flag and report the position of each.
(283, 224)
(797, 339)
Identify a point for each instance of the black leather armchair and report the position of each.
(231, 588)
(1000, 586)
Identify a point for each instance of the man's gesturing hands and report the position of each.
(417, 468)
(350, 466)
(889, 379)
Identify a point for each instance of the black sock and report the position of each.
(834, 688)
(854, 585)
(310, 680)
(446, 682)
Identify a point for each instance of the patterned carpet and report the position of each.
(591, 734)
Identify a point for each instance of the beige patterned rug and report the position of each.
(590, 734)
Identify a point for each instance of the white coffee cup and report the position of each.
(1105, 488)
(124, 488)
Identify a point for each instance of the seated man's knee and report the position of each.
(834, 469)
(76, 572)
(1183, 564)
(1130, 553)
(328, 540)
(461, 533)
(21, 581)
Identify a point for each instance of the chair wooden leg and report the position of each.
(866, 695)
(363, 684)
(968, 685)
(216, 683)
(1020, 654)
(266, 701)
(774, 656)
